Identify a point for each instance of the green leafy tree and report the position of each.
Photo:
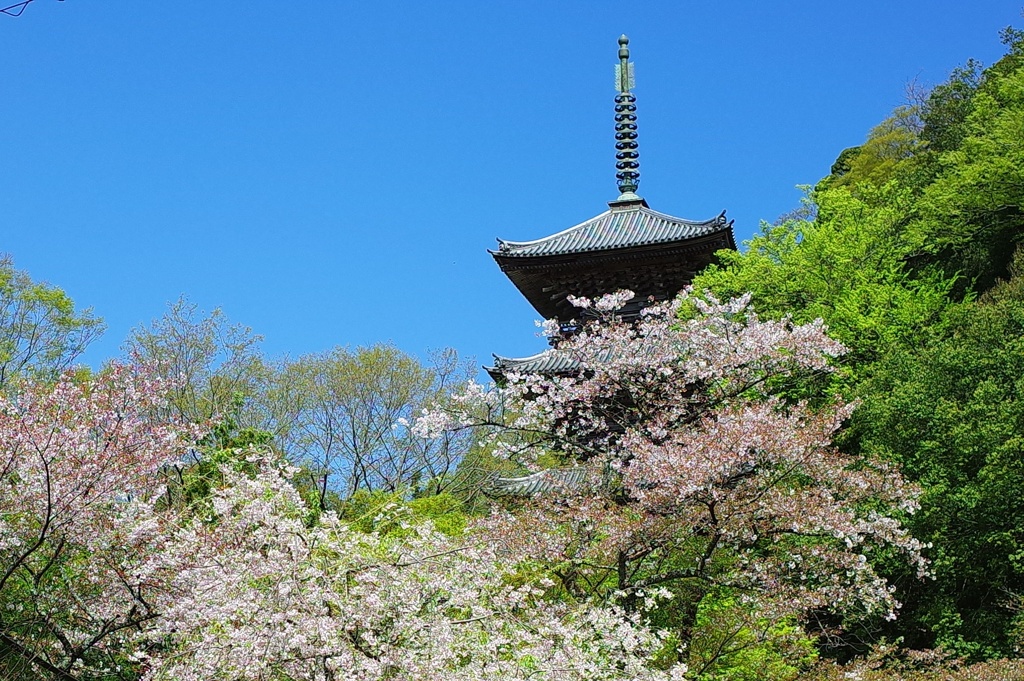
(889, 146)
(847, 266)
(191, 480)
(970, 217)
(732, 645)
(945, 109)
(41, 333)
(216, 365)
(344, 416)
(952, 414)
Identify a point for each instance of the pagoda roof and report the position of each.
(541, 482)
(630, 225)
(548, 363)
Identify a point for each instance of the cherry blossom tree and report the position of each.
(684, 467)
(256, 593)
(78, 481)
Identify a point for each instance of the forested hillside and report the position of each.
(910, 252)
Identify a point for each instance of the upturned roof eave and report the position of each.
(550, 237)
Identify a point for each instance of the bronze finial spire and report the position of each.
(627, 155)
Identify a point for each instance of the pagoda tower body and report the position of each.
(629, 246)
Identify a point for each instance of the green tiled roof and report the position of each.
(634, 225)
(541, 482)
(548, 363)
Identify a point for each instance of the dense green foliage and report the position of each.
(906, 251)
(41, 332)
(952, 413)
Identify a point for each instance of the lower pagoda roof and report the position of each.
(541, 482)
(549, 362)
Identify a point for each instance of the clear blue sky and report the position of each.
(332, 173)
